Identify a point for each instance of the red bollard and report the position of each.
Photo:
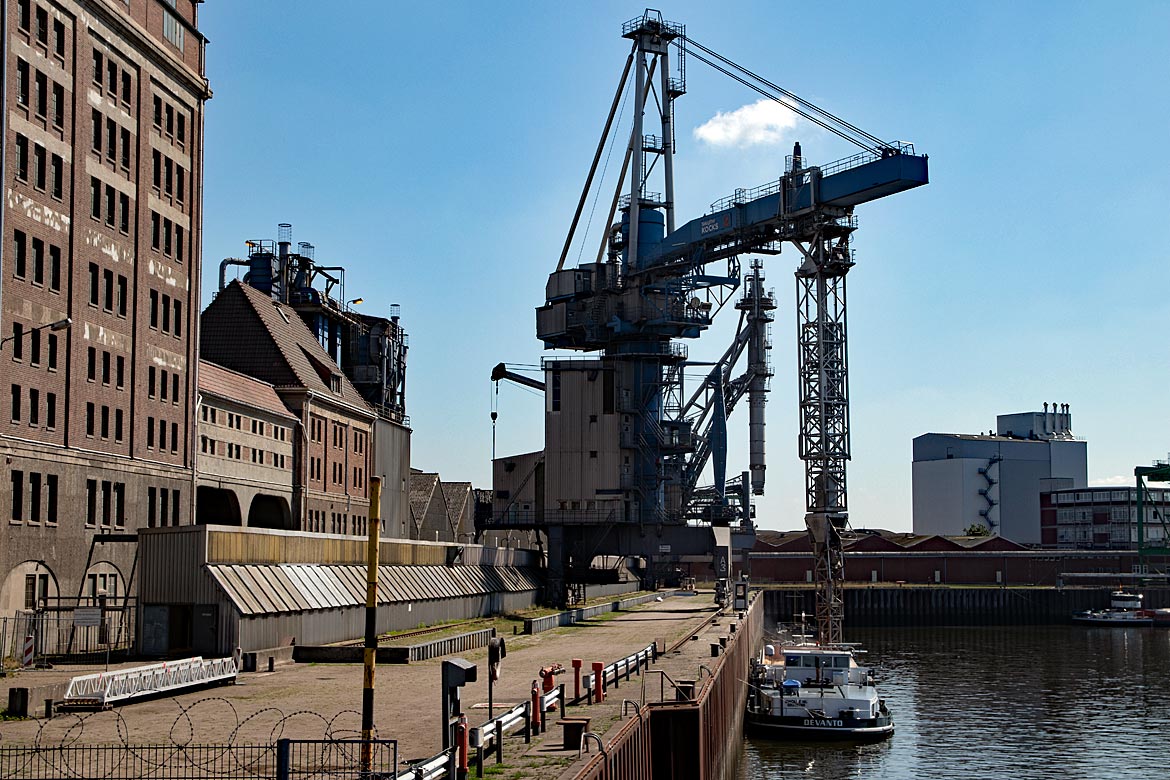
(462, 747)
(577, 679)
(598, 682)
(537, 715)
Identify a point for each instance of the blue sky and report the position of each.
(437, 150)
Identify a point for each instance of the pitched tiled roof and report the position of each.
(777, 538)
(877, 540)
(456, 494)
(292, 358)
(422, 487)
(234, 386)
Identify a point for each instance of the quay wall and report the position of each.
(950, 606)
(689, 737)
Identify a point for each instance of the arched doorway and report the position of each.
(270, 512)
(26, 587)
(216, 506)
(104, 579)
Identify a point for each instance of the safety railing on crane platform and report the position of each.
(744, 195)
(861, 158)
(652, 20)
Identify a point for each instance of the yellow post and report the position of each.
(371, 649)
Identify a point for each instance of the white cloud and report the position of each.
(762, 123)
(1107, 481)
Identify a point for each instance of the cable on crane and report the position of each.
(807, 109)
(604, 169)
(596, 157)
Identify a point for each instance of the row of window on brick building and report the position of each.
(210, 414)
(108, 76)
(168, 176)
(340, 432)
(35, 501)
(209, 445)
(37, 29)
(339, 522)
(102, 421)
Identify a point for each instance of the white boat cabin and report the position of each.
(1124, 600)
(812, 664)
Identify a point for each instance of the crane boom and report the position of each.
(751, 219)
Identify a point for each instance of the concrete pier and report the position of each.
(306, 701)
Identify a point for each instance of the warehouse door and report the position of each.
(205, 629)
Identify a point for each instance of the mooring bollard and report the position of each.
(537, 715)
(576, 680)
(461, 747)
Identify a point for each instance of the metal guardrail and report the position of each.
(489, 737)
(623, 667)
(105, 688)
(552, 700)
(440, 765)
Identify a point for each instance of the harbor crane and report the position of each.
(653, 282)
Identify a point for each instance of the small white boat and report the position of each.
(809, 691)
(1125, 609)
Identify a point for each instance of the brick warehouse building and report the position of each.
(247, 452)
(102, 150)
(246, 331)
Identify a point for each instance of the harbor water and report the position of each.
(1062, 702)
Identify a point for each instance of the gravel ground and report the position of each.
(313, 701)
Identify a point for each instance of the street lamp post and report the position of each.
(58, 325)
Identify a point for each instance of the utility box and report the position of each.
(740, 601)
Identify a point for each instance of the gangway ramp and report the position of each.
(104, 689)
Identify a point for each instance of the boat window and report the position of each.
(810, 661)
(792, 660)
(841, 662)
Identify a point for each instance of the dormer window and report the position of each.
(327, 373)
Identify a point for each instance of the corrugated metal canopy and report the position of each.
(281, 588)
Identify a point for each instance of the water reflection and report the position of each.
(1061, 702)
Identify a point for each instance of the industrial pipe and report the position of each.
(223, 269)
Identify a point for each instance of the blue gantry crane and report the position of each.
(652, 283)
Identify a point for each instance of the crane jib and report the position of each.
(860, 184)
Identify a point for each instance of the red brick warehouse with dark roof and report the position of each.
(247, 331)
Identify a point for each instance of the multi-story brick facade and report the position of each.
(103, 123)
(247, 331)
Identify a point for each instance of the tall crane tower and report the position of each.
(626, 442)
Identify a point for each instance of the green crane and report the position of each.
(1159, 472)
